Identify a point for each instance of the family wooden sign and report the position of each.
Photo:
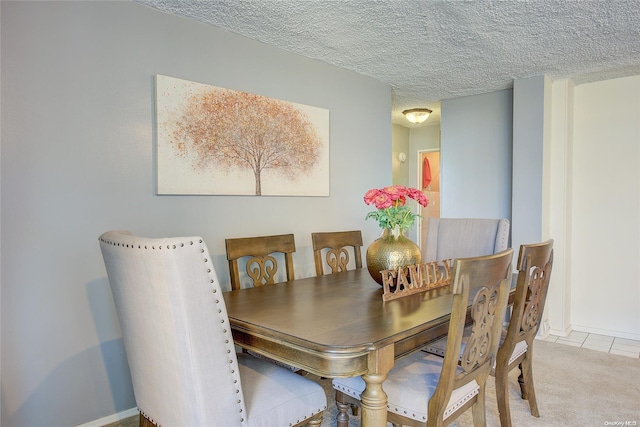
(414, 279)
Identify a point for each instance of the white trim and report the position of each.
(607, 332)
(560, 332)
(100, 422)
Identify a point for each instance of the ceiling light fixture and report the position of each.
(417, 115)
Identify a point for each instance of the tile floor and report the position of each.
(619, 346)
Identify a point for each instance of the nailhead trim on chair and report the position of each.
(229, 342)
(450, 409)
(505, 237)
(520, 349)
(447, 413)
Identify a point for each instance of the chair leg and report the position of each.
(502, 396)
(478, 410)
(342, 419)
(522, 383)
(315, 421)
(526, 386)
(145, 422)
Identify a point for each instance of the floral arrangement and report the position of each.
(390, 203)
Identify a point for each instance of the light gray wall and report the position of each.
(530, 97)
(400, 144)
(78, 159)
(476, 156)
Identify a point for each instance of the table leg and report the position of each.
(374, 399)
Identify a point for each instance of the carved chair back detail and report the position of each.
(336, 250)
(261, 266)
(483, 310)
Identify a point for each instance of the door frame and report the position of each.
(418, 177)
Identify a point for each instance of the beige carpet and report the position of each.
(575, 387)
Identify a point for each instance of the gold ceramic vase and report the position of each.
(391, 251)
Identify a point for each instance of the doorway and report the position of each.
(429, 182)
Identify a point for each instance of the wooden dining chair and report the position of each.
(427, 390)
(336, 247)
(179, 346)
(261, 265)
(516, 350)
(516, 345)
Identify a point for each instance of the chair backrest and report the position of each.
(175, 330)
(335, 246)
(487, 280)
(451, 238)
(261, 266)
(535, 262)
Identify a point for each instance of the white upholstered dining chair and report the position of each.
(179, 346)
(451, 238)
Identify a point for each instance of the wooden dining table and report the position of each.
(337, 325)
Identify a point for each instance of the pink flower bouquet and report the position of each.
(390, 203)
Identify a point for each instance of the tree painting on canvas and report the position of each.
(213, 140)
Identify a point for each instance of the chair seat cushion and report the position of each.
(438, 347)
(519, 349)
(275, 396)
(410, 385)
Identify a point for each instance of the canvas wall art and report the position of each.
(217, 141)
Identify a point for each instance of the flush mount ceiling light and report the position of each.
(417, 115)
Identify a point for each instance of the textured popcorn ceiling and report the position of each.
(434, 50)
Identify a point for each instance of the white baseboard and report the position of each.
(590, 330)
(542, 335)
(559, 333)
(607, 332)
(111, 418)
